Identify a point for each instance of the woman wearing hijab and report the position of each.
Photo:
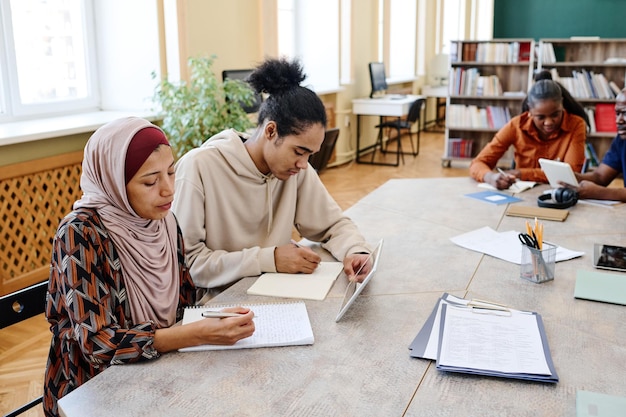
(118, 279)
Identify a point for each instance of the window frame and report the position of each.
(13, 109)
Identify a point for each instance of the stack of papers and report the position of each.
(503, 245)
(478, 337)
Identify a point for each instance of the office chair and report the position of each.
(399, 124)
(319, 160)
(18, 306)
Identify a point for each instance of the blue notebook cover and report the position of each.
(494, 197)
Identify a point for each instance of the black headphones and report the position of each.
(560, 198)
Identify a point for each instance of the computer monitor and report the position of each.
(378, 78)
(242, 74)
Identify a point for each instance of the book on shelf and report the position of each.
(547, 53)
(282, 323)
(468, 51)
(605, 117)
(524, 53)
(469, 82)
(472, 116)
(586, 84)
(460, 148)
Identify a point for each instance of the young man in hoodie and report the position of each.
(238, 196)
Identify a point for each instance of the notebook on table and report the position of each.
(601, 286)
(355, 288)
(276, 324)
(313, 286)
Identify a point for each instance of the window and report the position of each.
(316, 34)
(62, 57)
(397, 37)
(47, 65)
(402, 39)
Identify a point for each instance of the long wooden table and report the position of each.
(361, 365)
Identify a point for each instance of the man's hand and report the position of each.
(356, 266)
(295, 259)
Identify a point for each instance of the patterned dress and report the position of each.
(88, 308)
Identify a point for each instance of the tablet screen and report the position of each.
(609, 257)
(557, 172)
(354, 288)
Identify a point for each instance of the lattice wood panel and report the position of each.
(34, 197)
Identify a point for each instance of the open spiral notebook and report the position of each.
(283, 323)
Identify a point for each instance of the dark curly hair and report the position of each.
(293, 107)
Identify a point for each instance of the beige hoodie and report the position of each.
(232, 216)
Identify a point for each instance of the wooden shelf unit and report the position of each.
(600, 56)
(513, 70)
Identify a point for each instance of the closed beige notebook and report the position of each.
(543, 213)
(313, 286)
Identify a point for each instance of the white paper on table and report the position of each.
(503, 245)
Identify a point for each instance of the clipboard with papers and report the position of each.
(473, 337)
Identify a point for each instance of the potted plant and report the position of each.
(194, 111)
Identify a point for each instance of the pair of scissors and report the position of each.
(529, 240)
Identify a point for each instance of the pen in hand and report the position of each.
(220, 314)
(296, 244)
(501, 171)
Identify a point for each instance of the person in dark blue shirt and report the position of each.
(595, 184)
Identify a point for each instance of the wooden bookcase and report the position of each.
(507, 62)
(588, 56)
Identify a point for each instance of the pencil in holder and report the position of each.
(538, 264)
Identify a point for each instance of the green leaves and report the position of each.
(196, 110)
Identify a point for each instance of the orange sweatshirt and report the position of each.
(567, 145)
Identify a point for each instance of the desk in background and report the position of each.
(440, 94)
(361, 365)
(384, 106)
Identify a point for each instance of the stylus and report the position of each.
(220, 314)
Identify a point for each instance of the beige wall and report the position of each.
(230, 29)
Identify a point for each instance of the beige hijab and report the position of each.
(147, 248)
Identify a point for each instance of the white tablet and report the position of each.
(354, 288)
(557, 172)
(609, 257)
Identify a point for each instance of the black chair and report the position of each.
(25, 407)
(18, 306)
(400, 125)
(320, 159)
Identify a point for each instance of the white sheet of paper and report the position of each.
(503, 245)
(432, 347)
(496, 342)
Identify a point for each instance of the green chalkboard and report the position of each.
(559, 18)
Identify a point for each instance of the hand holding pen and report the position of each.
(295, 259)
